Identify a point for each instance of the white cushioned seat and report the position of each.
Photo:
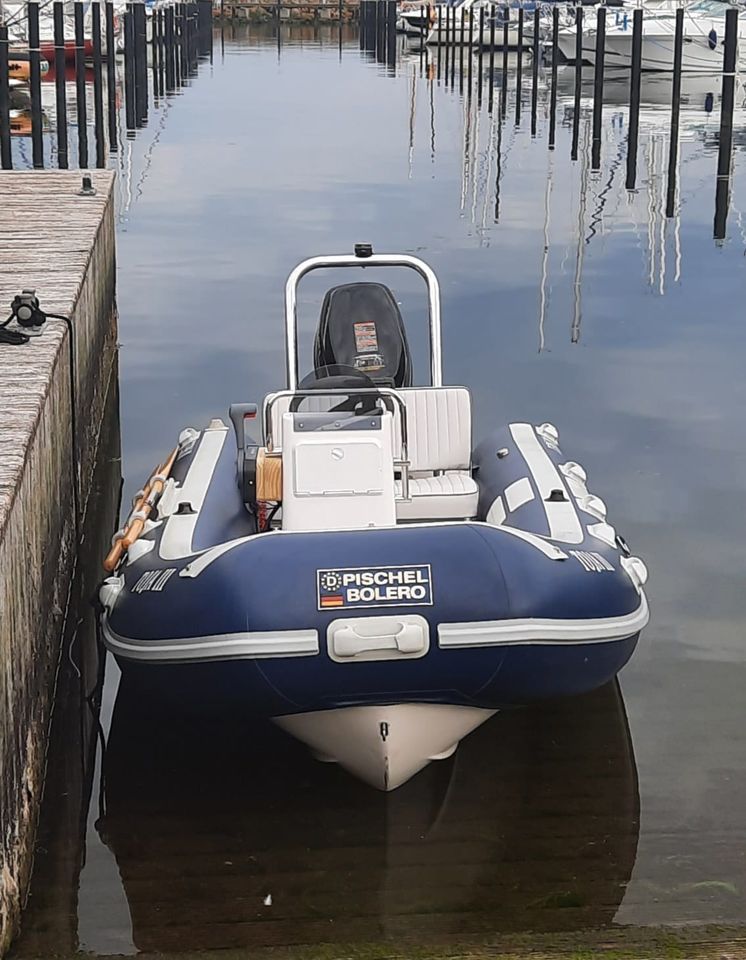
(448, 496)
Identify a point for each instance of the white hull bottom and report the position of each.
(385, 746)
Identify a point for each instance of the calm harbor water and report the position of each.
(565, 298)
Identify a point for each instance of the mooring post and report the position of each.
(6, 161)
(184, 38)
(37, 139)
(80, 89)
(156, 55)
(141, 64)
(111, 77)
(439, 37)
(506, 45)
(170, 51)
(598, 87)
(519, 68)
(447, 42)
(130, 118)
(380, 30)
(553, 88)
(59, 86)
(578, 81)
(423, 34)
(471, 50)
(491, 95)
(480, 58)
(725, 147)
(391, 33)
(535, 70)
(634, 99)
(461, 41)
(673, 145)
(98, 86)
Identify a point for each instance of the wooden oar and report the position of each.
(141, 510)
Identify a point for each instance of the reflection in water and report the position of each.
(226, 833)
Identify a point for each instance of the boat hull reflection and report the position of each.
(227, 833)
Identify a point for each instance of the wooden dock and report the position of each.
(60, 243)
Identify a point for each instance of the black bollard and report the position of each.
(578, 81)
(598, 87)
(6, 160)
(491, 96)
(130, 117)
(98, 86)
(80, 89)
(480, 56)
(535, 70)
(634, 100)
(553, 88)
(673, 145)
(506, 46)
(470, 64)
(111, 76)
(519, 69)
(59, 85)
(725, 147)
(37, 138)
(141, 64)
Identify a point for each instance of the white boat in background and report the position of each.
(704, 35)
(453, 18)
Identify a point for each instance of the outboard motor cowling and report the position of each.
(361, 327)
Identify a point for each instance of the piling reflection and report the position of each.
(226, 833)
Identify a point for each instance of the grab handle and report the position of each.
(378, 638)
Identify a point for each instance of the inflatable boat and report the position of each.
(343, 559)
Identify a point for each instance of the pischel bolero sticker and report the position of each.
(346, 587)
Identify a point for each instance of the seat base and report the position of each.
(447, 496)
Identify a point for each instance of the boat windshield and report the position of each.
(708, 8)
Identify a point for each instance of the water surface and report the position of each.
(566, 298)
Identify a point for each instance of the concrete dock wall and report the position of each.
(62, 244)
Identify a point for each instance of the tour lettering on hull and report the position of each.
(346, 587)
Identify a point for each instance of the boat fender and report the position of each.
(138, 550)
(636, 571)
(604, 532)
(549, 434)
(593, 505)
(109, 591)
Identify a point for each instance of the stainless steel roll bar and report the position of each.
(357, 260)
(402, 463)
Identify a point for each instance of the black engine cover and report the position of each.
(361, 327)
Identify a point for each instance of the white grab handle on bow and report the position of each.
(378, 638)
